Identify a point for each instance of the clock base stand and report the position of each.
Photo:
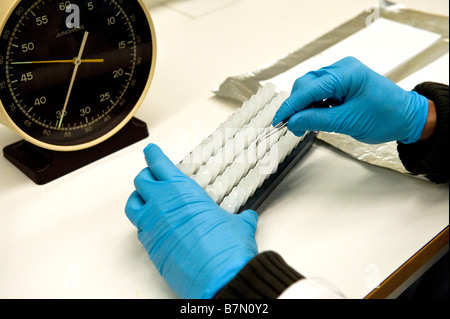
(43, 166)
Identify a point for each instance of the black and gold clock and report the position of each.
(73, 73)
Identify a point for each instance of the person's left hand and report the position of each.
(197, 246)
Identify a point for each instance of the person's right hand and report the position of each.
(373, 109)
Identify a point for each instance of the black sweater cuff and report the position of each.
(265, 277)
(430, 157)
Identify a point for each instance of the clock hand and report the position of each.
(61, 61)
(77, 62)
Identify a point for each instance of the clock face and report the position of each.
(73, 72)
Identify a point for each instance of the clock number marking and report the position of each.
(64, 5)
(118, 73)
(27, 47)
(122, 45)
(85, 111)
(27, 77)
(40, 101)
(59, 114)
(111, 20)
(105, 97)
(41, 20)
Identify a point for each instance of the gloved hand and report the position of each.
(373, 109)
(197, 246)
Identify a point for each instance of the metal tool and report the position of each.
(272, 131)
(326, 103)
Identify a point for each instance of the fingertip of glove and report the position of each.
(277, 118)
(284, 112)
(275, 121)
(150, 147)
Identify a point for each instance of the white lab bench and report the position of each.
(357, 225)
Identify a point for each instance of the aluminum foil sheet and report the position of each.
(241, 87)
(384, 155)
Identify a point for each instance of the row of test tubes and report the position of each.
(229, 164)
(255, 178)
(210, 146)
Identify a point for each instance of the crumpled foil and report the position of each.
(241, 87)
(383, 155)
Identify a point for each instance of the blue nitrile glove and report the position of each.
(197, 246)
(373, 109)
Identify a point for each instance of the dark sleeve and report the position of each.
(266, 276)
(430, 157)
